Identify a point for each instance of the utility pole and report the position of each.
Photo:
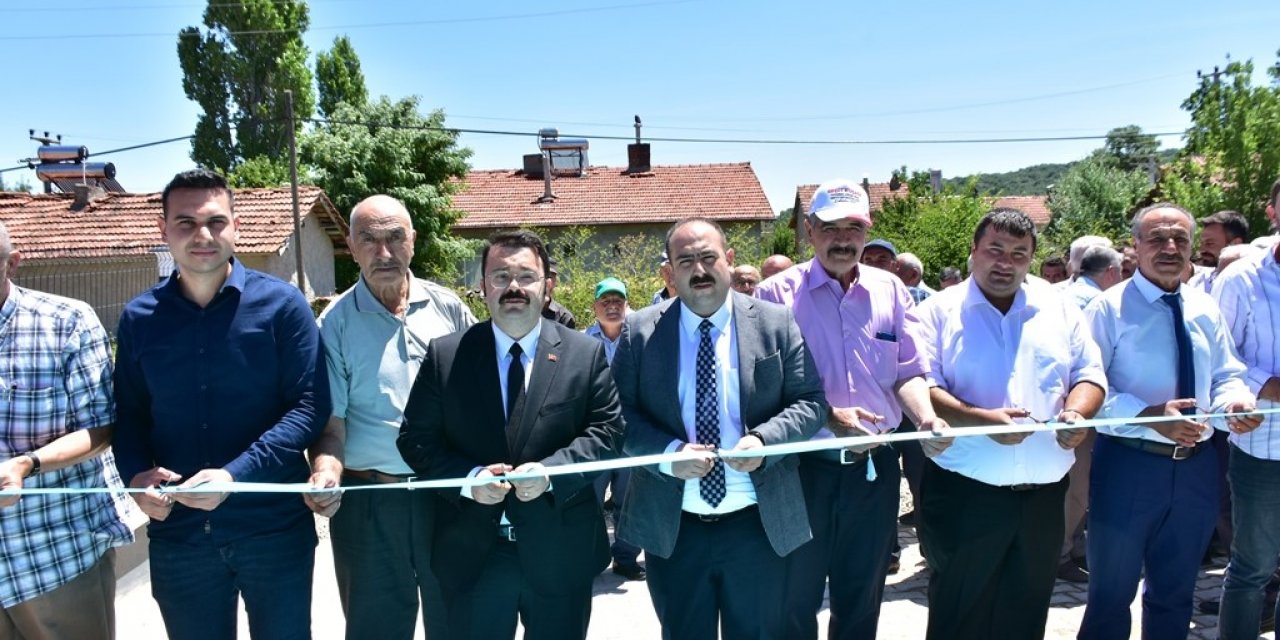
(293, 184)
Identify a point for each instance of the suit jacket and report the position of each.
(454, 422)
(782, 400)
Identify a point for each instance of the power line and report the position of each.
(128, 7)
(373, 25)
(119, 150)
(768, 141)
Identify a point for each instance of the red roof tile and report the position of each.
(878, 193)
(119, 225)
(608, 195)
(1036, 207)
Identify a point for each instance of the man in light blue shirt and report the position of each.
(375, 336)
(1248, 293)
(1154, 496)
(611, 309)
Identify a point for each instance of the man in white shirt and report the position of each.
(1248, 294)
(1001, 351)
(1154, 495)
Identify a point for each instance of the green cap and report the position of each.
(611, 285)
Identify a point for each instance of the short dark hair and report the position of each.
(1010, 221)
(950, 273)
(1053, 261)
(518, 239)
(202, 179)
(724, 240)
(1232, 223)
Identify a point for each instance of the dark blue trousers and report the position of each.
(1151, 514)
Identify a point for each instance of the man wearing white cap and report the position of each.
(860, 326)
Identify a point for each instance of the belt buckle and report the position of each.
(507, 532)
(1182, 453)
(848, 457)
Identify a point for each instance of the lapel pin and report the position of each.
(552, 357)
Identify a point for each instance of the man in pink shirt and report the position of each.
(859, 324)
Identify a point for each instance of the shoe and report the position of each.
(1071, 572)
(908, 518)
(630, 571)
(895, 564)
(1209, 607)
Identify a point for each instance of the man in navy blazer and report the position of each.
(516, 394)
(715, 369)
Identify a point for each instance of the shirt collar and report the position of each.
(366, 302)
(1028, 296)
(235, 280)
(528, 344)
(689, 320)
(1086, 281)
(818, 277)
(1150, 290)
(10, 303)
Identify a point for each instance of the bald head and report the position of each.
(776, 263)
(379, 207)
(381, 241)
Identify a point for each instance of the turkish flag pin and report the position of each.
(552, 357)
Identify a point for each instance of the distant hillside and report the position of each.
(1029, 181)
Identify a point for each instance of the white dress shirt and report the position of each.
(1030, 358)
(1248, 293)
(1134, 329)
(740, 492)
(529, 349)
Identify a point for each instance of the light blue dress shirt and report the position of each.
(1248, 293)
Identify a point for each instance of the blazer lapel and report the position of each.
(750, 350)
(484, 386)
(664, 376)
(545, 367)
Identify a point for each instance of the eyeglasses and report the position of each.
(502, 279)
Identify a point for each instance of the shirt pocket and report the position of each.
(30, 416)
(881, 361)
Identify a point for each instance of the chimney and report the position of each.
(866, 184)
(935, 180)
(894, 182)
(86, 194)
(638, 154)
(533, 165)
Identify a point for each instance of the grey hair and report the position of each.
(6, 246)
(1076, 256)
(1142, 213)
(1097, 259)
(910, 260)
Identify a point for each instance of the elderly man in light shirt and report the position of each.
(1248, 293)
(375, 336)
(1001, 351)
(1154, 487)
(861, 328)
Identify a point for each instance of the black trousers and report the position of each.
(994, 553)
(722, 576)
(854, 524)
(488, 611)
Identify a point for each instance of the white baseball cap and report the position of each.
(840, 199)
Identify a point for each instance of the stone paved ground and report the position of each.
(622, 611)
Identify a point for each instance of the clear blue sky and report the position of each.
(105, 74)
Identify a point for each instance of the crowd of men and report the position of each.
(222, 376)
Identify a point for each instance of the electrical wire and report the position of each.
(119, 150)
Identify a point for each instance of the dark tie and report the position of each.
(707, 415)
(515, 379)
(1186, 364)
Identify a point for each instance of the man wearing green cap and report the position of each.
(611, 308)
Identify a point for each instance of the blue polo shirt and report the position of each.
(233, 385)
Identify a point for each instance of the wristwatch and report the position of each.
(35, 462)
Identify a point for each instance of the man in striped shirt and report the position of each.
(1248, 293)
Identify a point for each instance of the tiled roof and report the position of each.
(877, 194)
(1036, 207)
(118, 225)
(608, 195)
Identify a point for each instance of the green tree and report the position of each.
(397, 151)
(1128, 148)
(937, 227)
(260, 171)
(1231, 158)
(338, 77)
(237, 69)
(19, 185)
(1095, 197)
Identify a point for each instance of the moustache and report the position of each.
(839, 250)
(518, 296)
(702, 279)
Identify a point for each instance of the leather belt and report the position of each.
(1171, 451)
(376, 477)
(1026, 487)
(712, 518)
(837, 456)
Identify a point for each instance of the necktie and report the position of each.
(1186, 365)
(515, 379)
(707, 415)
